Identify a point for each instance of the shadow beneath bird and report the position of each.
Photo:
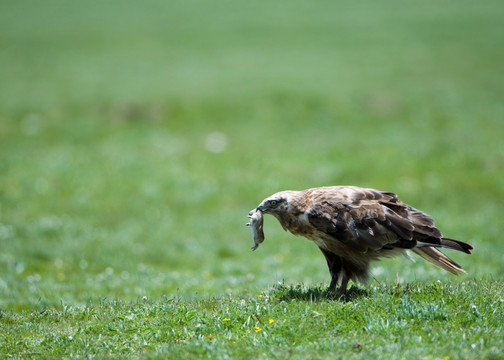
(316, 293)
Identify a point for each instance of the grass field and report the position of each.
(136, 136)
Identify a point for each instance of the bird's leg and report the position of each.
(344, 283)
(334, 264)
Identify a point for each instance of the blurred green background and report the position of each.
(136, 136)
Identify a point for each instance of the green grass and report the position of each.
(135, 138)
(416, 321)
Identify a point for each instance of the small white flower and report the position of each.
(70, 338)
(144, 298)
(216, 142)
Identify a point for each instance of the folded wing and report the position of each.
(367, 219)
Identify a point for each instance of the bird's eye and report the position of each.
(273, 203)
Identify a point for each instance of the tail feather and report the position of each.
(439, 259)
(456, 245)
(445, 243)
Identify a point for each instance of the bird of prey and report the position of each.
(353, 226)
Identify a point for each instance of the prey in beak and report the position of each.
(256, 224)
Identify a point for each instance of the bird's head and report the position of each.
(276, 204)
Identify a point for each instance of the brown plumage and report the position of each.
(353, 226)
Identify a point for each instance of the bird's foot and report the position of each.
(333, 292)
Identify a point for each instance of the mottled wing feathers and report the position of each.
(369, 219)
(336, 220)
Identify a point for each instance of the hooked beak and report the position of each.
(251, 212)
(259, 208)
